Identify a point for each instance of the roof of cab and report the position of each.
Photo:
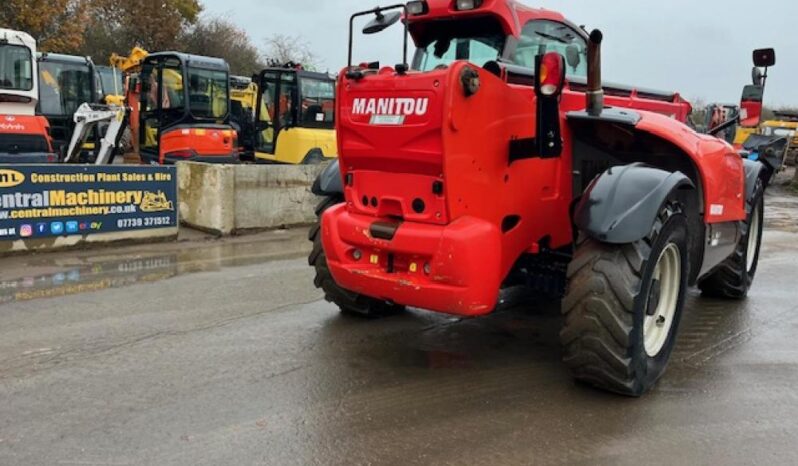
(193, 60)
(17, 37)
(60, 57)
(511, 13)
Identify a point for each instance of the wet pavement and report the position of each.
(221, 352)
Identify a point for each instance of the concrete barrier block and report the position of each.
(207, 196)
(224, 199)
(274, 196)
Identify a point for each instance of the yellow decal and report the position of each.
(11, 178)
(375, 259)
(153, 202)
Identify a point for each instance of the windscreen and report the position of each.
(478, 41)
(63, 87)
(16, 68)
(110, 81)
(318, 102)
(208, 92)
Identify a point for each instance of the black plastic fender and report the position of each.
(329, 181)
(753, 171)
(621, 205)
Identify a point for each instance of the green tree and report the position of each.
(218, 37)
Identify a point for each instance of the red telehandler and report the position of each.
(498, 160)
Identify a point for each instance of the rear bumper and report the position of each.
(35, 158)
(452, 268)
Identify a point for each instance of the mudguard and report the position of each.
(621, 205)
(753, 171)
(329, 181)
(769, 150)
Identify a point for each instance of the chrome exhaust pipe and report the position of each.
(595, 91)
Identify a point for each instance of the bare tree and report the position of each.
(282, 48)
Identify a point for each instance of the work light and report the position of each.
(417, 8)
(464, 5)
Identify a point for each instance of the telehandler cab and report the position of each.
(491, 163)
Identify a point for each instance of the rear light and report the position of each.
(417, 8)
(465, 5)
(552, 74)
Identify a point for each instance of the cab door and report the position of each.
(276, 110)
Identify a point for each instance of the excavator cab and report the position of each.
(24, 136)
(295, 116)
(65, 83)
(185, 110)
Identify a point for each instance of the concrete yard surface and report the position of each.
(221, 352)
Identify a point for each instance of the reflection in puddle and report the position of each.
(92, 273)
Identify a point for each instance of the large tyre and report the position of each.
(347, 301)
(733, 278)
(623, 306)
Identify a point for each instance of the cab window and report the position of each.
(318, 102)
(208, 91)
(540, 37)
(16, 68)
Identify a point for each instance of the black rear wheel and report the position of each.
(348, 301)
(733, 278)
(623, 306)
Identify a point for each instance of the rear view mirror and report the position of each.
(572, 56)
(751, 106)
(764, 57)
(382, 21)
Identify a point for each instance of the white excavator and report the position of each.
(87, 117)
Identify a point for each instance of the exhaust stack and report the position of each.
(595, 91)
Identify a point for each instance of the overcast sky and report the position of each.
(699, 48)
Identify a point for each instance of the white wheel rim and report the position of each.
(658, 322)
(753, 240)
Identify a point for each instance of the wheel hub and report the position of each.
(753, 240)
(663, 298)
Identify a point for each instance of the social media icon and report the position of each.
(41, 228)
(83, 226)
(26, 231)
(57, 228)
(71, 227)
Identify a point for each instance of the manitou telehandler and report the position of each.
(24, 136)
(491, 163)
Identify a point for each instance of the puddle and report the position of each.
(48, 276)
